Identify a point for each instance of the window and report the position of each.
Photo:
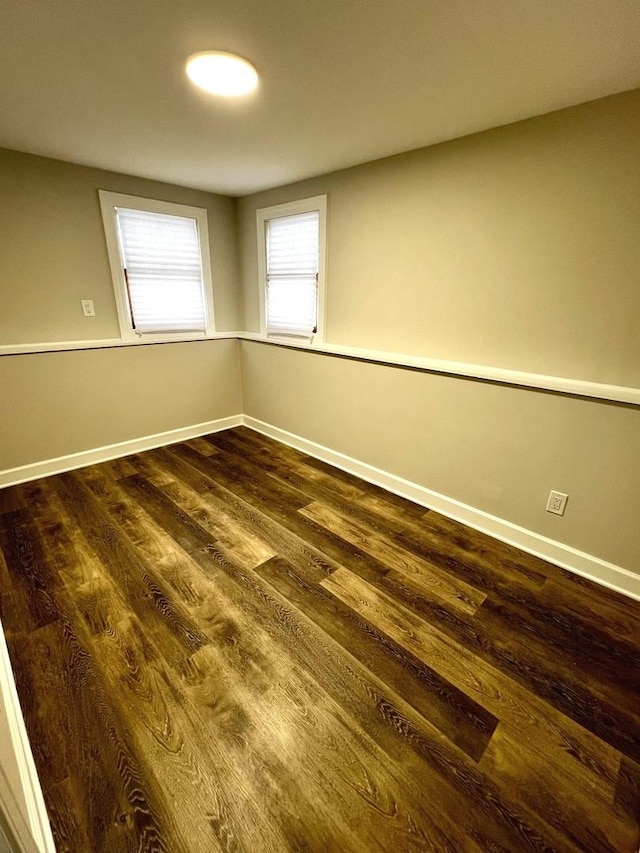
(159, 256)
(291, 240)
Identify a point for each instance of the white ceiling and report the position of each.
(101, 82)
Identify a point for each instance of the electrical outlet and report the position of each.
(557, 502)
(87, 307)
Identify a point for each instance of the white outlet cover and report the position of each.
(557, 502)
(87, 307)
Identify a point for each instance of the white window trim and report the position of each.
(108, 203)
(263, 215)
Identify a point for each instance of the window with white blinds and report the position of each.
(162, 284)
(292, 273)
(161, 257)
(291, 261)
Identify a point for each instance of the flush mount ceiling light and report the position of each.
(222, 73)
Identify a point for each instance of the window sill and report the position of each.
(284, 338)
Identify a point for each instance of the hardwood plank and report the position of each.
(281, 526)
(28, 565)
(186, 531)
(336, 550)
(504, 578)
(426, 576)
(327, 761)
(484, 546)
(467, 557)
(38, 679)
(252, 476)
(580, 587)
(619, 726)
(5, 579)
(627, 796)
(217, 614)
(96, 608)
(143, 463)
(234, 541)
(526, 771)
(219, 510)
(325, 479)
(256, 444)
(463, 721)
(14, 611)
(614, 616)
(69, 832)
(479, 643)
(521, 713)
(307, 531)
(133, 574)
(78, 740)
(587, 649)
(65, 546)
(117, 468)
(471, 566)
(184, 755)
(565, 681)
(287, 466)
(201, 446)
(396, 506)
(424, 756)
(10, 499)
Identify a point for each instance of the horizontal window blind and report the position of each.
(292, 273)
(163, 268)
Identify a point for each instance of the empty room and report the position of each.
(320, 426)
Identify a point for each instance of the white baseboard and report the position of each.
(32, 830)
(607, 574)
(588, 566)
(14, 476)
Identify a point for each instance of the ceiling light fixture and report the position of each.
(222, 73)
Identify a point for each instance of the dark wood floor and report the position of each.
(227, 646)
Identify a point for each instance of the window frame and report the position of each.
(291, 208)
(109, 201)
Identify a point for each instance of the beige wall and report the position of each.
(52, 254)
(53, 251)
(497, 448)
(516, 248)
(65, 402)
